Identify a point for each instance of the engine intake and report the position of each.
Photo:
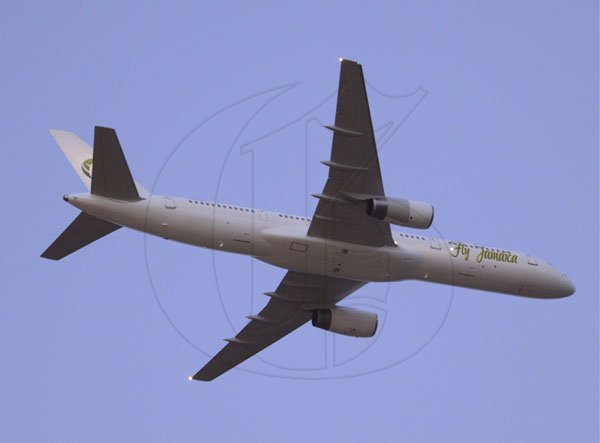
(399, 211)
(346, 321)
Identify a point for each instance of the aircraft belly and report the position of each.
(289, 247)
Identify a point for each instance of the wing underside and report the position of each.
(354, 177)
(354, 173)
(290, 306)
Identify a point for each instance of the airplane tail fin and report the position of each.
(102, 169)
(104, 172)
(82, 231)
(78, 152)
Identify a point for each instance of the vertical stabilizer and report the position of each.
(78, 152)
(81, 157)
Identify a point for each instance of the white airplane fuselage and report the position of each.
(282, 240)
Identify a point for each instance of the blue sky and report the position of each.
(489, 111)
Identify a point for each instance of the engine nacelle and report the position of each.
(399, 211)
(346, 321)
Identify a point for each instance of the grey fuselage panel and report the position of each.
(282, 240)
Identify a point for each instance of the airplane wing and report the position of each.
(290, 307)
(354, 173)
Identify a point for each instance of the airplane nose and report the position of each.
(561, 286)
(567, 286)
(558, 285)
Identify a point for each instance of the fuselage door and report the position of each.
(263, 215)
(170, 202)
(435, 243)
(531, 260)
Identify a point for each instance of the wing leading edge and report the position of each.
(290, 307)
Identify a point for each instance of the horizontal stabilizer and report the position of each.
(85, 229)
(111, 177)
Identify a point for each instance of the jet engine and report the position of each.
(346, 321)
(399, 211)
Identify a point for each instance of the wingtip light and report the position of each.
(341, 59)
(190, 378)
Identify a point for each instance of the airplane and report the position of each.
(347, 243)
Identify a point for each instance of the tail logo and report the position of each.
(87, 167)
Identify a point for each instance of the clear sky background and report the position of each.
(489, 111)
